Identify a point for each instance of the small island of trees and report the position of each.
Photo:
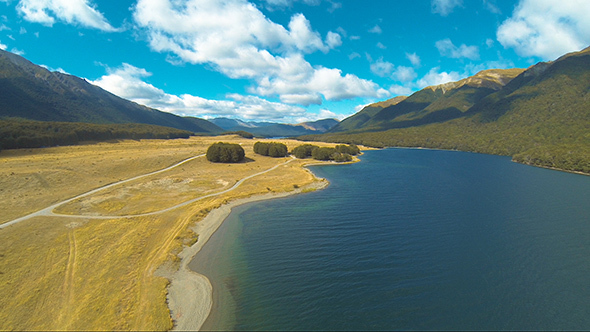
(272, 149)
(221, 152)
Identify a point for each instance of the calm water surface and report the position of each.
(409, 239)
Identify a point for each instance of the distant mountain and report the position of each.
(430, 105)
(32, 92)
(269, 129)
(539, 116)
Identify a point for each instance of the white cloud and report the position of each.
(546, 28)
(353, 55)
(491, 6)
(444, 7)
(382, 68)
(414, 59)
(128, 82)
(70, 11)
(400, 90)
(448, 49)
(381, 46)
(333, 39)
(434, 77)
(376, 29)
(404, 74)
(3, 47)
(236, 39)
(59, 70)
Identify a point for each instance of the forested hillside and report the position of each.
(16, 133)
(541, 117)
(32, 92)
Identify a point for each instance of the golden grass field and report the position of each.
(79, 273)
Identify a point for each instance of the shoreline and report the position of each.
(190, 294)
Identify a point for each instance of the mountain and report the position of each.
(32, 92)
(432, 104)
(539, 116)
(269, 129)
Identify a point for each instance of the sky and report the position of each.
(285, 61)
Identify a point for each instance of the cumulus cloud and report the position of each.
(3, 47)
(400, 90)
(80, 12)
(444, 7)
(434, 77)
(404, 74)
(414, 59)
(382, 68)
(448, 49)
(128, 82)
(546, 28)
(236, 39)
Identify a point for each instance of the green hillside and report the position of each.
(541, 117)
(31, 92)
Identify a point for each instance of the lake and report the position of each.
(409, 239)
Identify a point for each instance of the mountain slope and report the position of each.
(541, 117)
(31, 92)
(430, 105)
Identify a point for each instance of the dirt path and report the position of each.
(49, 210)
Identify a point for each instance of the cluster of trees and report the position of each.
(271, 149)
(340, 153)
(221, 152)
(20, 134)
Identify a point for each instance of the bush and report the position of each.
(271, 149)
(304, 151)
(225, 153)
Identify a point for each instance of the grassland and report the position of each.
(82, 273)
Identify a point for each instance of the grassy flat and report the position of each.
(78, 272)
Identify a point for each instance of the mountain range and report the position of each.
(270, 129)
(539, 115)
(32, 92)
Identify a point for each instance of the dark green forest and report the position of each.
(17, 134)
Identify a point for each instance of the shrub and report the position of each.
(225, 153)
(271, 149)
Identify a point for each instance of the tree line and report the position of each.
(233, 153)
(19, 134)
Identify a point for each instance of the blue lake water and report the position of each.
(409, 239)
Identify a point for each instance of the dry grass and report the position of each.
(61, 273)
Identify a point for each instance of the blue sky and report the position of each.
(285, 60)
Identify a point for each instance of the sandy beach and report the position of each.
(190, 294)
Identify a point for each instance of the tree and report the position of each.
(272, 149)
(304, 151)
(350, 149)
(225, 153)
